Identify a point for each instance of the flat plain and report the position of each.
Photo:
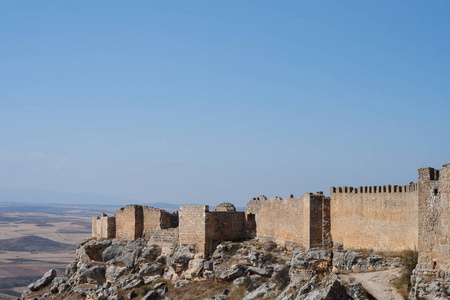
(38, 237)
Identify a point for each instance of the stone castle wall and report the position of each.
(444, 211)
(192, 229)
(205, 229)
(280, 220)
(135, 221)
(155, 218)
(434, 220)
(224, 226)
(103, 226)
(252, 215)
(380, 218)
(129, 222)
(293, 221)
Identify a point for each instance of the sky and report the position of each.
(213, 101)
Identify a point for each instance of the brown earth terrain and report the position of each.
(34, 241)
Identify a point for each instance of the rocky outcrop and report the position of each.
(44, 281)
(115, 269)
(353, 261)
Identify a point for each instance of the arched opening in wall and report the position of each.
(435, 192)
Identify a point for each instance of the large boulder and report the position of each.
(258, 293)
(44, 281)
(195, 267)
(334, 291)
(345, 260)
(179, 261)
(356, 291)
(234, 272)
(151, 253)
(112, 252)
(123, 254)
(113, 272)
(92, 250)
(95, 274)
(56, 283)
(259, 271)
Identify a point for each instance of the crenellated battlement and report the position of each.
(410, 188)
(381, 218)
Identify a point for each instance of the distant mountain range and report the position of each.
(44, 196)
(38, 196)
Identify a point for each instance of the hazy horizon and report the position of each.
(207, 102)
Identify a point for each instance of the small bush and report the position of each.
(142, 290)
(409, 259)
(409, 262)
(282, 278)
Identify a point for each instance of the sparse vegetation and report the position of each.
(409, 262)
(282, 278)
(204, 289)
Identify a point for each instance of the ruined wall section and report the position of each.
(434, 220)
(129, 222)
(281, 220)
(292, 222)
(192, 228)
(96, 228)
(103, 227)
(155, 218)
(380, 218)
(205, 229)
(252, 215)
(160, 227)
(224, 226)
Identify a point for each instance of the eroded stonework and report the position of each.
(380, 218)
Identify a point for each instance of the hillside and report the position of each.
(34, 243)
(115, 269)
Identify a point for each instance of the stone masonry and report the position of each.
(130, 222)
(205, 229)
(380, 218)
(434, 221)
(104, 226)
(293, 221)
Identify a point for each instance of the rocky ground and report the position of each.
(113, 269)
(380, 284)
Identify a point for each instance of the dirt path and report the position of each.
(377, 283)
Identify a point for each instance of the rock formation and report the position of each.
(306, 241)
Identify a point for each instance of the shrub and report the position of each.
(409, 262)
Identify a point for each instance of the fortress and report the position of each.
(387, 218)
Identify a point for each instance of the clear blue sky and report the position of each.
(212, 101)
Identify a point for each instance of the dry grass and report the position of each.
(409, 262)
(204, 289)
(282, 278)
